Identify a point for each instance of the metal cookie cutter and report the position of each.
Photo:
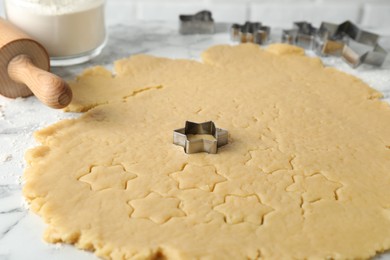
(353, 44)
(303, 34)
(186, 137)
(199, 23)
(250, 32)
(346, 40)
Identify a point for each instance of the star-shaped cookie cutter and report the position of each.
(199, 23)
(345, 40)
(250, 32)
(181, 137)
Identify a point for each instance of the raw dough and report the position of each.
(306, 173)
(196, 137)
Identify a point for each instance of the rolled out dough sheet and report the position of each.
(306, 173)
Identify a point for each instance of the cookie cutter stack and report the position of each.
(346, 40)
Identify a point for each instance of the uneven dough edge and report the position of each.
(88, 96)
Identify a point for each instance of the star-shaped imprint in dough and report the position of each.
(237, 209)
(157, 208)
(104, 177)
(315, 187)
(202, 177)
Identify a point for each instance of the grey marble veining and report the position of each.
(20, 230)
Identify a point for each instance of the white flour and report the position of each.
(56, 7)
(65, 27)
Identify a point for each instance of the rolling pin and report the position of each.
(24, 69)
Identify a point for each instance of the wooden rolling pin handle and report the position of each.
(47, 87)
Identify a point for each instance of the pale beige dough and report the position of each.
(306, 173)
(196, 137)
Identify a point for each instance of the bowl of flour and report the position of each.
(72, 31)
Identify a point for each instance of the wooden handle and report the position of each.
(47, 87)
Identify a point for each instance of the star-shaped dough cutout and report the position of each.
(270, 160)
(202, 177)
(156, 208)
(237, 209)
(315, 187)
(104, 177)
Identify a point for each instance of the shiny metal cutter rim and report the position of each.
(201, 145)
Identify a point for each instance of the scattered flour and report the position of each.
(7, 158)
(56, 7)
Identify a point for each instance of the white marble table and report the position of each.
(20, 230)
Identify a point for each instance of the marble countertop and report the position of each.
(20, 230)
